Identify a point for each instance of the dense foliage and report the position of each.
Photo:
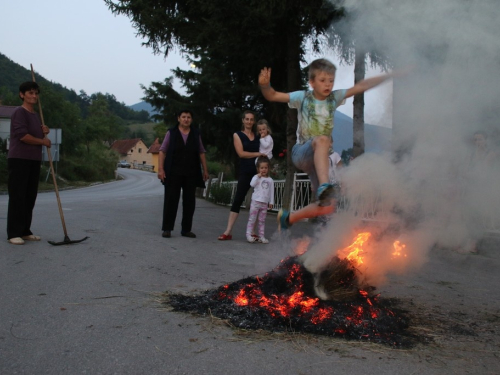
(89, 123)
(227, 43)
(13, 74)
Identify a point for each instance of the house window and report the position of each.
(140, 150)
(131, 150)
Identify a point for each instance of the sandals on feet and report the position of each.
(16, 241)
(31, 237)
(225, 237)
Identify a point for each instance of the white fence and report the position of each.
(369, 208)
(301, 192)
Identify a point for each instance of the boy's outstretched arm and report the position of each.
(267, 91)
(369, 83)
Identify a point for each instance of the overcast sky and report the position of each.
(83, 46)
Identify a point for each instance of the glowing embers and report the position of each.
(284, 300)
(399, 249)
(285, 304)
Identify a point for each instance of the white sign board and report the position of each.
(55, 137)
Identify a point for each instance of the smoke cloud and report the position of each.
(439, 188)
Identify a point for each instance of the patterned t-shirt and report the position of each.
(315, 117)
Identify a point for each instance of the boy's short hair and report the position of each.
(321, 65)
(263, 121)
(28, 86)
(184, 111)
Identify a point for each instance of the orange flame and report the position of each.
(354, 251)
(399, 248)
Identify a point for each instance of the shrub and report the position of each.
(221, 193)
(215, 167)
(97, 165)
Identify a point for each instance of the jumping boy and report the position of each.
(316, 109)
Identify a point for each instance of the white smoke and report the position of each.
(431, 190)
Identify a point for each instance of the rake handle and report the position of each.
(49, 154)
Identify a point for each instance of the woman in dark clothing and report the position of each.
(181, 155)
(27, 136)
(246, 143)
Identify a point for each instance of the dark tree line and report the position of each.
(89, 123)
(228, 42)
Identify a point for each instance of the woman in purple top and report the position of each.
(27, 136)
(181, 155)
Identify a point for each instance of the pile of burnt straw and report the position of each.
(284, 300)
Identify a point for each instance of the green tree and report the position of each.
(60, 113)
(7, 97)
(160, 129)
(229, 42)
(101, 125)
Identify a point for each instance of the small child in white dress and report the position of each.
(262, 200)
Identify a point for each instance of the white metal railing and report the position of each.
(370, 208)
(279, 193)
(301, 191)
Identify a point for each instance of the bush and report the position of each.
(215, 167)
(97, 165)
(221, 193)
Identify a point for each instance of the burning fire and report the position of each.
(286, 298)
(354, 252)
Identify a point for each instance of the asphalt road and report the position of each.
(92, 308)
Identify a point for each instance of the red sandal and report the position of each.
(225, 237)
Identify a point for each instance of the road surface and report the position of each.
(92, 308)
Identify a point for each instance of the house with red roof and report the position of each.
(154, 150)
(133, 151)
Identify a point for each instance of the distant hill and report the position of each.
(12, 75)
(143, 106)
(377, 138)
